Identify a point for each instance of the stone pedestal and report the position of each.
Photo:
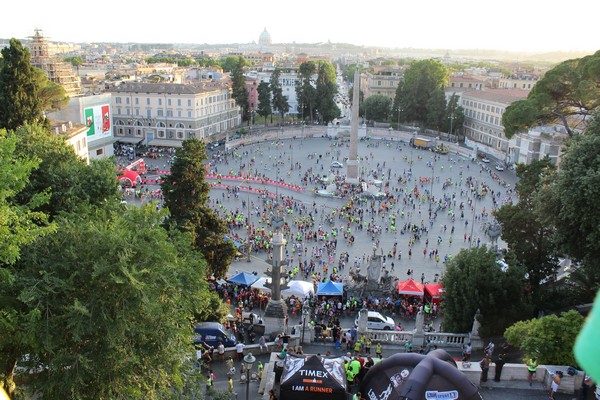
(419, 335)
(274, 317)
(352, 172)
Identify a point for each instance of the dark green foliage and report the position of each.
(525, 228)
(20, 101)
(264, 101)
(306, 91)
(186, 196)
(473, 281)
(566, 93)
(279, 101)
(550, 338)
(376, 107)
(238, 88)
(326, 89)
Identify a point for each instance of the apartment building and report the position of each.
(483, 111)
(165, 114)
(383, 81)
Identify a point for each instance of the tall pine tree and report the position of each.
(19, 89)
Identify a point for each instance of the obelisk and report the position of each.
(276, 309)
(352, 163)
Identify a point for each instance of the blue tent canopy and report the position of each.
(330, 289)
(243, 278)
(235, 242)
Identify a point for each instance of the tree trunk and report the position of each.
(8, 383)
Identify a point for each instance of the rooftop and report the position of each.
(169, 88)
(503, 96)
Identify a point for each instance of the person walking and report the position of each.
(485, 367)
(532, 369)
(556, 377)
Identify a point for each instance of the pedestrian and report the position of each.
(262, 344)
(555, 383)
(379, 350)
(221, 351)
(209, 382)
(489, 350)
(532, 369)
(485, 367)
(239, 350)
(467, 352)
(272, 395)
(499, 365)
(230, 384)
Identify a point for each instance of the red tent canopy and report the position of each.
(411, 288)
(130, 176)
(434, 291)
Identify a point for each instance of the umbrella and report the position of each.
(243, 279)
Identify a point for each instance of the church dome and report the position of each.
(265, 38)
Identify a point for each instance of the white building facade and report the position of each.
(163, 114)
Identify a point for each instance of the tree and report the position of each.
(62, 175)
(376, 107)
(421, 80)
(20, 102)
(397, 106)
(279, 102)
(186, 196)
(550, 338)
(455, 115)
(239, 90)
(567, 94)
(524, 228)
(305, 89)
(20, 223)
(436, 109)
(75, 61)
(473, 281)
(575, 210)
(52, 96)
(264, 101)
(107, 305)
(230, 63)
(326, 89)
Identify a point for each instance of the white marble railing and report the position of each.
(440, 339)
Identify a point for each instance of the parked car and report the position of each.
(485, 160)
(337, 164)
(499, 167)
(212, 333)
(378, 321)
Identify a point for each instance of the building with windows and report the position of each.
(536, 144)
(483, 111)
(165, 114)
(287, 81)
(54, 67)
(383, 81)
(74, 134)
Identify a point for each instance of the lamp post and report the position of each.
(451, 122)
(249, 360)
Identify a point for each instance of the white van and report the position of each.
(378, 322)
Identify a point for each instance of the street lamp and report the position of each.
(249, 360)
(451, 122)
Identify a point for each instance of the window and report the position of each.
(189, 114)
(148, 113)
(118, 100)
(179, 102)
(189, 102)
(161, 134)
(99, 152)
(138, 132)
(160, 102)
(126, 100)
(147, 101)
(179, 113)
(179, 135)
(137, 111)
(159, 113)
(168, 102)
(137, 101)
(169, 113)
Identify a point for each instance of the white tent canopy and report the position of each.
(259, 284)
(299, 289)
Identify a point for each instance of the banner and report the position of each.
(98, 121)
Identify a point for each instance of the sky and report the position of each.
(513, 25)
